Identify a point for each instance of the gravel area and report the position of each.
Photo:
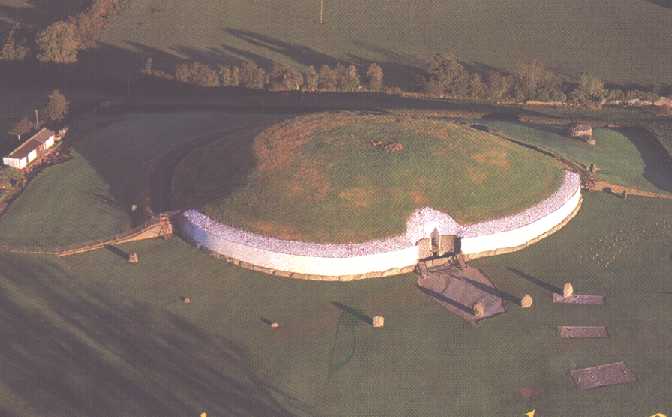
(419, 225)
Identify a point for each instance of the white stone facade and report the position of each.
(378, 256)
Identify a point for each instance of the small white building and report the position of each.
(36, 146)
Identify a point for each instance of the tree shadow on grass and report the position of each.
(657, 161)
(662, 3)
(536, 281)
(117, 251)
(71, 350)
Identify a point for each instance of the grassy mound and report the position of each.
(346, 178)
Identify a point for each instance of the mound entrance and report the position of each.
(341, 177)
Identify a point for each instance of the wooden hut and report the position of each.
(582, 131)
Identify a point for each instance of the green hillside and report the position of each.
(618, 40)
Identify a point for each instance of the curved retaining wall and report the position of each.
(381, 257)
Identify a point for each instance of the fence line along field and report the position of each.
(619, 43)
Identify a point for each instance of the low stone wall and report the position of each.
(384, 257)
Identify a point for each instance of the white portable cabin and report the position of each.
(31, 149)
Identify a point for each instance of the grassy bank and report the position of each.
(630, 157)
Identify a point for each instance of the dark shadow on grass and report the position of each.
(78, 350)
(657, 161)
(117, 251)
(536, 281)
(662, 3)
(447, 300)
(353, 312)
(494, 291)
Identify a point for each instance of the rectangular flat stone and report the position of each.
(578, 299)
(602, 376)
(578, 332)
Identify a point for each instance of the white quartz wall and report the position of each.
(387, 254)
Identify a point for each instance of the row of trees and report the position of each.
(448, 77)
(281, 77)
(55, 110)
(62, 41)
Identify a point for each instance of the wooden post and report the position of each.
(321, 12)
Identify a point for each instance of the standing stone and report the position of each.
(378, 321)
(479, 309)
(526, 301)
(133, 258)
(567, 290)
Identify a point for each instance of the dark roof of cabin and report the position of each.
(33, 143)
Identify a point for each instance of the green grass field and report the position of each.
(319, 178)
(629, 157)
(66, 204)
(93, 335)
(89, 197)
(620, 43)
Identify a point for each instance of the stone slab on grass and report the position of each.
(580, 332)
(602, 376)
(578, 299)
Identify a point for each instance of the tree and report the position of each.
(535, 82)
(284, 78)
(374, 75)
(251, 75)
(13, 49)
(590, 89)
(328, 79)
(196, 73)
(21, 127)
(498, 84)
(311, 79)
(347, 78)
(447, 76)
(476, 86)
(57, 107)
(58, 43)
